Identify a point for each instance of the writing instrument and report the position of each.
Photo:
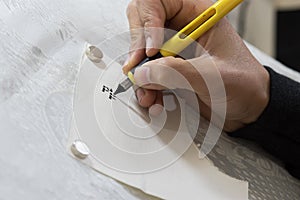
(191, 32)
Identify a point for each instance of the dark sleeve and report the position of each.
(277, 130)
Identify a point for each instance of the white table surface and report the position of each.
(41, 44)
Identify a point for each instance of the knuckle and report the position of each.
(135, 35)
(151, 21)
(137, 41)
(131, 6)
(148, 20)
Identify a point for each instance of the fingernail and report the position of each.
(125, 67)
(140, 94)
(149, 44)
(141, 76)
(155, 110)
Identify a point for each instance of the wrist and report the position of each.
(261, 96)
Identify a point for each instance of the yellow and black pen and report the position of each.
(185, 36)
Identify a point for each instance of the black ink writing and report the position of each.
(108, 90)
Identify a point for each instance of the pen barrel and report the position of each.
(198, 27)
(223, 7)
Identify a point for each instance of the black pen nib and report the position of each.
(123, 86)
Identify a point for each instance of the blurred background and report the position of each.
(273, 26)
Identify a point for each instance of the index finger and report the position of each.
(146, 20)
(137, 43)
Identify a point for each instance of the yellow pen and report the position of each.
(186, 36)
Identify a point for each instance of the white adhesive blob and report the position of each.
(80, 149)
(94, 54)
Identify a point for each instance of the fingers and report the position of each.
(150, 99)
(153, 16)
(158, 106)
(146, 20)
(199, 75)
(196, 75)
(145, 97)
(137, 43)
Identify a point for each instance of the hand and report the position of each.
(246, 81)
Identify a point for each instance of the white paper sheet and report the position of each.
(124, 144)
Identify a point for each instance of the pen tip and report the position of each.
(119, 90)
(123, 86)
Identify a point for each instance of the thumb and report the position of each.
(167, 73)
(201, 75)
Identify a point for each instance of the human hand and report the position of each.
(245, 79)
